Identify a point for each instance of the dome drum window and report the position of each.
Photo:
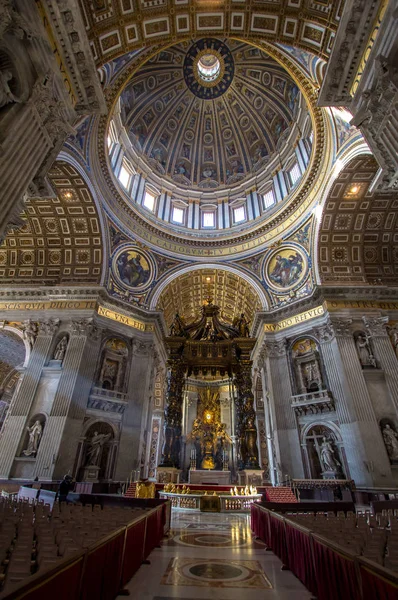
(177, 215)
(294, 174)
(239, 214)
(208, 219)
(149, 200)
(124, 177)
(268, 199)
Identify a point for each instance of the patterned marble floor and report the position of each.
(213, 556)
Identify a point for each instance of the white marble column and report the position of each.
(385, 354)
(285, 434)
(52, 451)
(18, 414)
(134, 417)
(368, 462)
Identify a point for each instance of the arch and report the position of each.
(199, 289)
(59, 241)
(356, 239)
(19, 333)
(329, 424)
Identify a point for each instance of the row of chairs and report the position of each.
(373, 536)
(34, 537)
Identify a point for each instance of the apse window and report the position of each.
(268, 199)
(124, 177)
(294, 174)
(208, 219)
(178, 215)
(239, 214)
(149, 200)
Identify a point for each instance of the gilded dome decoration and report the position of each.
(210, 115)
(208, 68)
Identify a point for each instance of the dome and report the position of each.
(209, 114)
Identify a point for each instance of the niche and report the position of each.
(112, 372)
(306, 365)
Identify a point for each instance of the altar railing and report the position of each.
(228, 502)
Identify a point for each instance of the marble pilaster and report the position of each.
(137, 396)
(354, 450)
(385, 354)
(18, 415)
(268, 428)
(53, 433)
(362, 432)
(286, 438)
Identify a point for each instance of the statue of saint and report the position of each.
(390, 438)
(6, 95)
(327, 457)
(242, 325)
(94, 450)
(60, 349)
(34, 438)
(394, 339)
(30, 332)
(177, 327)
(364, 352)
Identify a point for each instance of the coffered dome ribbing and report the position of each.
(207, 133)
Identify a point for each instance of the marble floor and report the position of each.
(213, 556)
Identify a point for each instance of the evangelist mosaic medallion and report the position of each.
(132, 268)
(285, 268)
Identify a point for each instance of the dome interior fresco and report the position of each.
(204, 143)
(188, 292)
(358, 239)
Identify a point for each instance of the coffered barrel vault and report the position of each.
(59, 239)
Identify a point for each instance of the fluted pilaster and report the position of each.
(286, 437)
(363, 437)
(18, 413)
(385, 354)
(53, 432)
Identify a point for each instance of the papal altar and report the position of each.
(209, 477)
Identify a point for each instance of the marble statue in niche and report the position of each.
(94, 450)
(390, 438)
(323, 455)
(365, 354)
(327, 456)
(35, 432)
(60, 349)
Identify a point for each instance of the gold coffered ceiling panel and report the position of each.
(60, 240)
(358, 237)
(115, 27)
(187, 294)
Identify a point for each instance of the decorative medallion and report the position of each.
(286, 268)
(208, 68)
(132, 268)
